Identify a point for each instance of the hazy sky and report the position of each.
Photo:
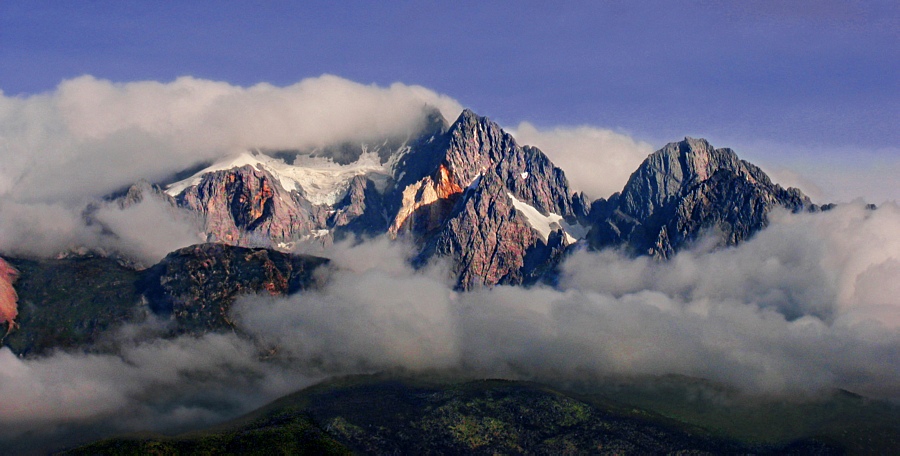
(793, 84)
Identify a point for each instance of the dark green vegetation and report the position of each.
(69, 303)
(74, 302)
(856, 424)
(284, 432)
(381, 415)
(197, 284)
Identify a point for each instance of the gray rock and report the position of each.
(683, 191)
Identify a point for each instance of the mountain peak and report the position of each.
(468, 115)
(686, 188)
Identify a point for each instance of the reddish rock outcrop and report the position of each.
(8, 297)
(244, 205)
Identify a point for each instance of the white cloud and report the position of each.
(806, 306)
(158, 385)
(596, 161)
(145, 232)
(90, 136)
(149, 230)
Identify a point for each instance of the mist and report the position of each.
(807, 306)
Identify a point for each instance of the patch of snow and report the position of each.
(475, 182)
(546, 224)
(318, 179)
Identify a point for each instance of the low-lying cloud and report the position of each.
(151, 385)
(807, 306)
(144, 232)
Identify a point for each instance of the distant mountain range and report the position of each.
(466, 192)
(502, 213)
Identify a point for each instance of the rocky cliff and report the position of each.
(459, 191)
(684, 190)
(501, 213)
(486, 204)
(196, 285)
(8, 298)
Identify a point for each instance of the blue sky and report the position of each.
(812, 82)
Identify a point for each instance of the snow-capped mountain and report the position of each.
(501, 213)
(319, 180)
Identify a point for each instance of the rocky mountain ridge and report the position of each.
(682, 191)
(79, 301)
(501, 213)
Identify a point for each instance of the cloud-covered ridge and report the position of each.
(91, 136)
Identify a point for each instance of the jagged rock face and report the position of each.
(260, 199)
(683, 190)
(469, 192)
(245, 204)
(361, 212)
(198, 284)
(489, 242)
(463, 207)
(479, 146)
(427, 203)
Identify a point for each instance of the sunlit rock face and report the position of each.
(491, 242)
(8, 297)
(684, 190)
(246, 203)
(465, 208)
(467, 192)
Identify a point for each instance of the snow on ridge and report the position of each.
(546, 224)
(318, 179)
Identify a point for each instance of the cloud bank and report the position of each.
(90, 136)
(144, 232)
(807, 306)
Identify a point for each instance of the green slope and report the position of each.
(379, 414)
